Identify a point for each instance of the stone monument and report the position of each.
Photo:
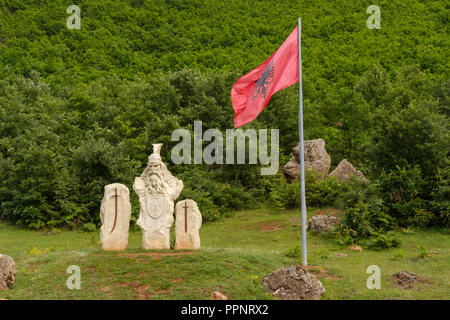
(115, 213)
(157, 189)
(188, 221)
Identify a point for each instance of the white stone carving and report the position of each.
(157, 189)
(188, 221)
(115, 213)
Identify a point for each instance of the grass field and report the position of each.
(236, 254)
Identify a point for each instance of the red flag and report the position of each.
(252, 92)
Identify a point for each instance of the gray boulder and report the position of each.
(7, 271)
(316, 158)
(345, 170)
(294, 283)
(322, 223)
(291, 170)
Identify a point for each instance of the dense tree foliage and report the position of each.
(79, 109)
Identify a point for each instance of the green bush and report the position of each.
(285, 195)
(89, 227)
(365, 219)
(360, 191)
(322, 193)
(399, 198)
(319, 192)
(416, 136)
(421, 218)
(219, 199)
(367, 225)
(402, 191)
(439, 195)
(413, 199)
(295, 252)
(382, 241)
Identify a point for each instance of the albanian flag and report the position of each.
(252, 92)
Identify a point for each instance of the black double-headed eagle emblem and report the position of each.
(264, 82)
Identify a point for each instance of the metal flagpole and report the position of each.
(302, 151)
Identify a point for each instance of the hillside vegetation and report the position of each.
(142, 37)
(79, 109)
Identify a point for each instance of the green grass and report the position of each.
(236, 254)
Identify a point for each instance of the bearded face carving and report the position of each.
(157, 189)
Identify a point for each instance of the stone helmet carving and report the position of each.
(155, 157)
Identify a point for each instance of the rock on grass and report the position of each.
(217, 295)
(322, 223)
(405, 280)
(7, 271)
(294, 283)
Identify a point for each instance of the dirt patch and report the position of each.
(406, 280)
(155, 255)
(176, 280)
(341, 255)
(295, 221)
(270, 225)
(140, 290)
(104, 289)
(320, 272)
(158, 292)
(90, 269)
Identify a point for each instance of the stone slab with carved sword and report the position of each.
(188, 221)
(115, 213)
